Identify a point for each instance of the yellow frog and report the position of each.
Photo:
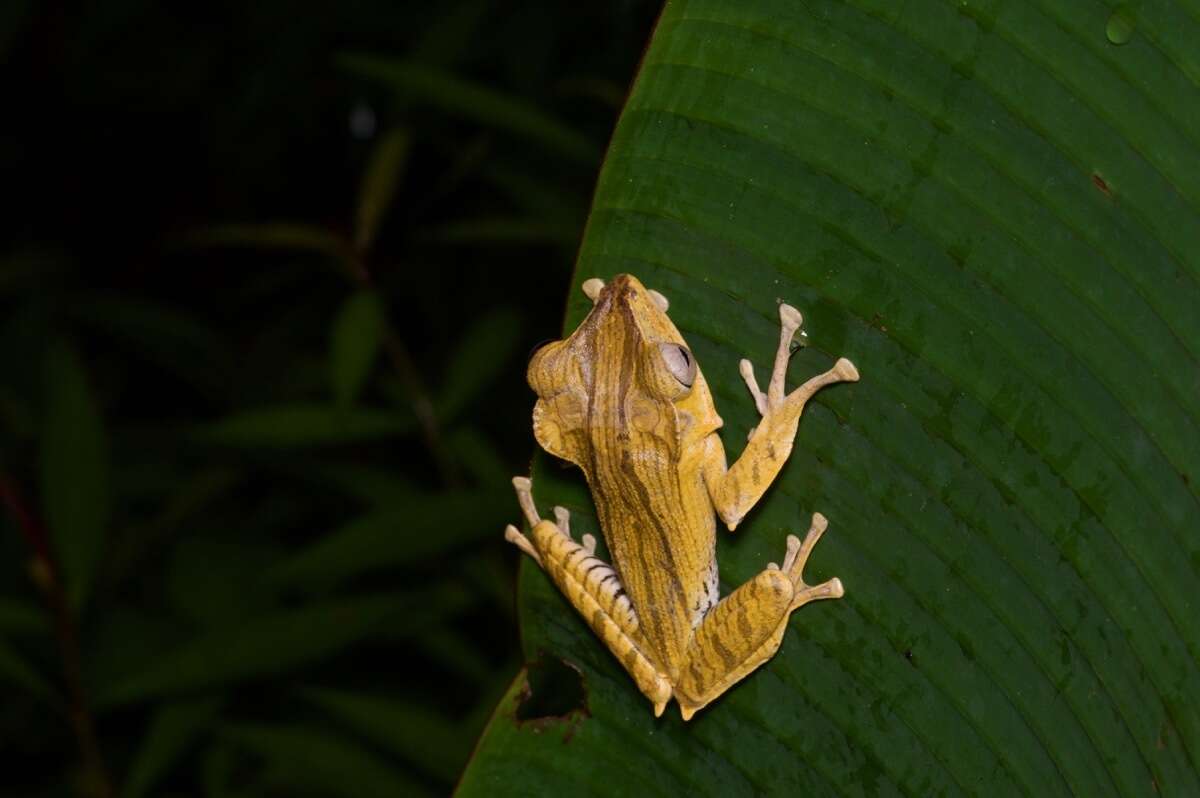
(623, 399)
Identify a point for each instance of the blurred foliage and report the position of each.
(265, 301)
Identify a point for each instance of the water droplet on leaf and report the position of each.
(1121, 24)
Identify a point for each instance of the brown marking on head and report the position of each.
(626, 360)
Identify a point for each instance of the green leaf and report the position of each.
(371, 485)
(357, 333)
(220, 771)
(416, 733)
(23, 618)
(420, 529)
(75, 470)
(214, 579)
(540, 198)
(174, 727)
(380, 179)
(478, 456)
(172, 340)
(127, 639)
(505, 230)
(275, 643)
(15, 671)
(472, 101)
(281, 236)
(488, 345)
(995, 213)
(182, 497)
(299, 425)
(456, 653)
(453, 35)
(308, 759)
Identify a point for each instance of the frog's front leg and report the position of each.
(734, 490)
(746, 627)
(592, 586)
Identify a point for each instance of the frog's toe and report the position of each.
(845, 370)
(524, 488)
(562, 519)
(746, 369)
(514, 536)
(789, 559)
(592, 288)
(797, 551)
(831, 589)
(815, 529)
(797, 558)
(659, 300)
(790, 318)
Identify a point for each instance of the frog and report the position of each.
(623, 398)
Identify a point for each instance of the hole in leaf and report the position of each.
(553, 691)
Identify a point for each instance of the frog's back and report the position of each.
(655, 516)
(661, 532)
(622, 398)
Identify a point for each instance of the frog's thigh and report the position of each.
(736, 636)
(595, 590)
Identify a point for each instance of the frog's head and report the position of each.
(625, 375)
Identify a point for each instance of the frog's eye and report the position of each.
(680, 363)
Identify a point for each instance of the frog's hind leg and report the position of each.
(746, 627)
(592, 587)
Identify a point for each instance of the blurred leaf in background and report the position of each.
(264, 311)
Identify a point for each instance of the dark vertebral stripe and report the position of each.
(639, 503)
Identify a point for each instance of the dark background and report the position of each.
(213, 361)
